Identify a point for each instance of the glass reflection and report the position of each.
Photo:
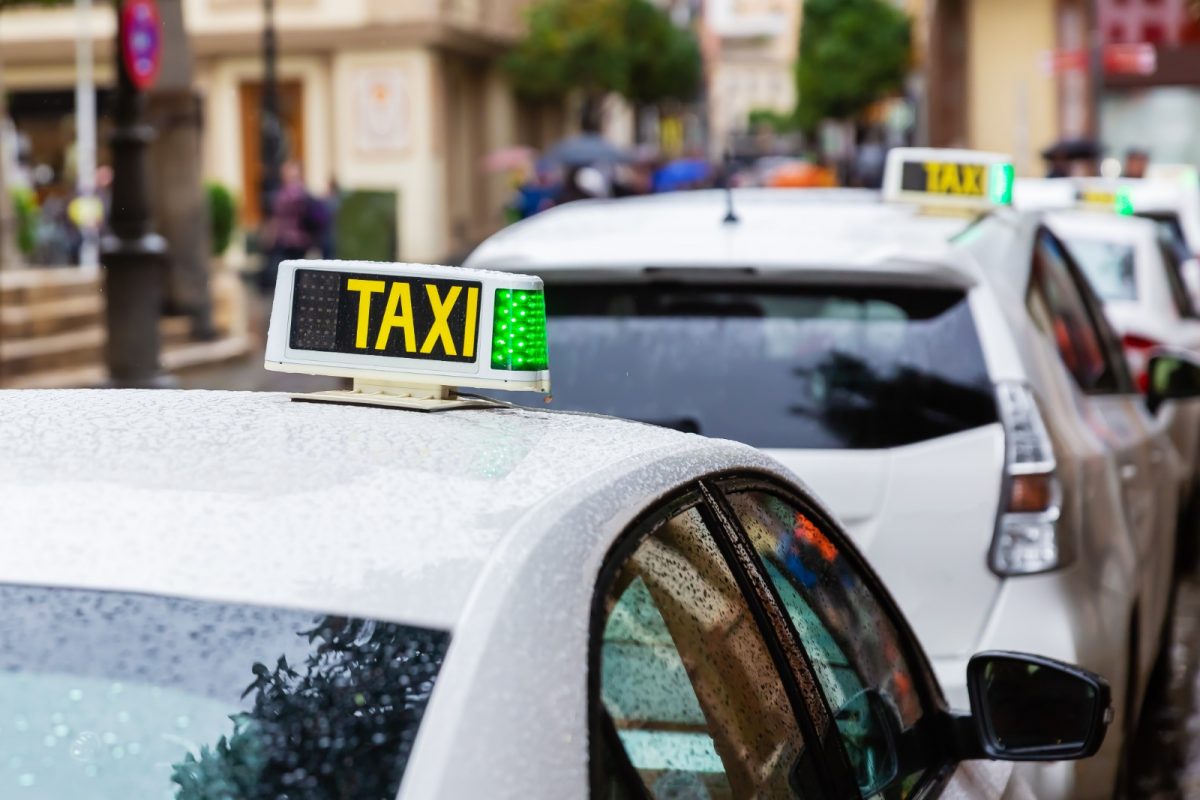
(110, 695)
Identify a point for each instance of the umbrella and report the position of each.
(1073, 150)
(681, 172)
(586, 149)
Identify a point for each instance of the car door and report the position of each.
(1062, 304)
(691, 693)
(869, 710)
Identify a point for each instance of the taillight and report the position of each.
(1137, 353)
(1026, 539)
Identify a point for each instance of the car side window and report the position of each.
(853, 644)
(686, 680)
(1057, 305)
(1173, 267)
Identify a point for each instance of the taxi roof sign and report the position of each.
(1104, 194)
(409, 330)
(1185, 175)
(954, 179)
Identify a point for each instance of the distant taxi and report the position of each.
(1132, 266)
(404, 590)
(1170, 199)
(938, 369)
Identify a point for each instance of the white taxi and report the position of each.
(1133, 269)
(1170, 199)
(401, 590)
(950, 388)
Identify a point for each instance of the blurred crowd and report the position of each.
(587, 166)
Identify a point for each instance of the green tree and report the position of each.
(222, 217)
(852, 53)
(630, 47)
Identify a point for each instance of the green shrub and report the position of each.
(222, 216)
(25, 207)
(775, 121)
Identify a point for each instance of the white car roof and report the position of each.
(1149, 196)
(794, 231)
(254, 498)
(1102, 226)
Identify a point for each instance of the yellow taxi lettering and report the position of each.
(932, 171)
(972, 179)
(950, 183)
(469, 328)
(365, 289)
(440, 329)
(956, 179)
(401, 296)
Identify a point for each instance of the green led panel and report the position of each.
(519, 331)
(1000, 184)
(1124, 202)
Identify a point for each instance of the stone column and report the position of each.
(180, 205)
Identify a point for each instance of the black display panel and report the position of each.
(945, 178)
(402, 316)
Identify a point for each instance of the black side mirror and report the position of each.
(1173, 375)
(1030, 708)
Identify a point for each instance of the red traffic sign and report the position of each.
(141, 42)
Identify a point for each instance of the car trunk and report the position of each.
(877, 395)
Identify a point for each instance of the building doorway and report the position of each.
(291, 114)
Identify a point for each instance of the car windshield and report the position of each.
(112, 695)
(1109, 267)
(773, 366)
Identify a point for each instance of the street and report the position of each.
(1168, 747)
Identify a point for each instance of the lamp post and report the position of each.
(134, 256)
(270, 131)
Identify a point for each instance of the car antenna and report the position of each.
(731, 216)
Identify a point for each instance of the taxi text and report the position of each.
(399, 321)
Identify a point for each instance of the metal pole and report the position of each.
(85, 131)
(271, 142)
(134, 255)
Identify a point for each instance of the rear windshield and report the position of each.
(109, 695)
(772, 366)
(1109, 267)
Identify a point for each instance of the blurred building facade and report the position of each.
(1011, 77)
(750, 49)
(1019, 75)
(1152, 102)
(402, 99)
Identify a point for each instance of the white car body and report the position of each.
(493, 525)
(1174, 204)
(1145, 306)
(903, 505)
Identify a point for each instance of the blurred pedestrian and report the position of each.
(869, 161)
(1068, 157)
(1137, 160)
(1057, 164)
(288, 233)
(584, 183)
(330, 205)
